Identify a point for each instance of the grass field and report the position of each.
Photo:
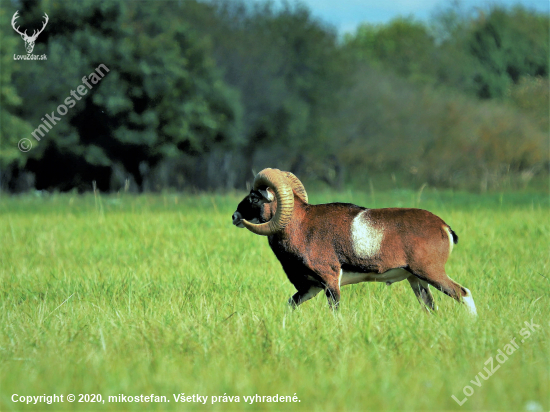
(160, 294)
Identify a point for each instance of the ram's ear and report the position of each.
(268, 194)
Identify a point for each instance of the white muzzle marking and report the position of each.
(238, 220)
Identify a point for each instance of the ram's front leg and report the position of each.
(333, 296)
(302, 295)
(331, 280)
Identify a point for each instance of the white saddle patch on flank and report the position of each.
(366, 239)
(389, 277)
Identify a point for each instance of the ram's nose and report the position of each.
(238, 219)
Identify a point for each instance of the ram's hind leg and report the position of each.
(442, 282)
(422, 291)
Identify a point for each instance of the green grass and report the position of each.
(161, 294)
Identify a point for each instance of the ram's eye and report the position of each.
(255, 200)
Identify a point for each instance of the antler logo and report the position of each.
(29, 40)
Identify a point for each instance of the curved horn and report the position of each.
(276, 180)
(297, 186)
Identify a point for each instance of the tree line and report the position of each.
(200, 94)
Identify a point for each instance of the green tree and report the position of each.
(288, 68)
(508, 44)
(404, 46)
(161, 97)
(13, 127)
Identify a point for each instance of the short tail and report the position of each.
(454, 235)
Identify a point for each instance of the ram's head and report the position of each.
(268, 207)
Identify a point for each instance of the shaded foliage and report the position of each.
(162, 95)
(199, 94)
(12, 125)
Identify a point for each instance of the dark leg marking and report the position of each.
(422, 292)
